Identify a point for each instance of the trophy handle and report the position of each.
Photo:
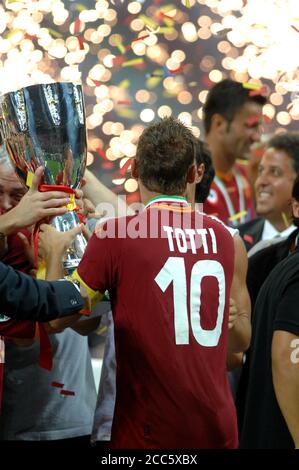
(73, 256)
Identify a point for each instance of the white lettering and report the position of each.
(191, 239)
(203, 234)
(191, 233)
(181, 241)
(213, 238)
(169, 232)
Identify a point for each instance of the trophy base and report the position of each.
(69, 265)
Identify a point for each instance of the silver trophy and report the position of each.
(44, 125)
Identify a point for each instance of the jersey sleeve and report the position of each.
(97, 269)
(232, 231)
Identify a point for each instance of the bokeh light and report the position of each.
(143, 60)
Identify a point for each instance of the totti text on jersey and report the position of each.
(191, 239)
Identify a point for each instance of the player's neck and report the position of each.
(147, 195)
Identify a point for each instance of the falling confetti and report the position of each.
(133, 59)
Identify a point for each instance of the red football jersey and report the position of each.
(230, 198)
(169, 290)
(15, 255)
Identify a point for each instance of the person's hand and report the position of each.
(28, 249)
(79, 198)
(233, 313)
(51, 241)
(87, 300)
(88, 209)
(86, 326)
(35, 205)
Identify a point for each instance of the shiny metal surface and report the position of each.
(45, 125)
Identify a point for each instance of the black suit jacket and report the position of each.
(261, 264)
(252, 231)
(25, 298)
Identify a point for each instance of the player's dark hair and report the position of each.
(289, 143)
(165, 152)
(227, 98)
(203, 155)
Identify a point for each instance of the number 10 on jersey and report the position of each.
(174, 271)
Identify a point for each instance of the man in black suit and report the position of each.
(278, 169)
(25, 298)
(22, 297)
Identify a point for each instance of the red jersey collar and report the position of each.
(167, 200)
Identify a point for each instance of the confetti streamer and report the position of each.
(124, 102)
(57, 384)
(135, 40)
(168, 20)
(120, 47)
(124, 84)
(118, 60)
(131, 63)
(140, 38)
(80, 7)
(101, 153)
(67, 393)
(178, 70)
(164, 30)
(251, 86)
(127, 113)
(285, 220)
(237, 216)
(54, 33)
(126, 167)
(266, 118)
(81, 43)
(107, 165)
(259, 91)
(96, 82)
(148, 21)
(248, 238)
(153, 31)
(77, 26)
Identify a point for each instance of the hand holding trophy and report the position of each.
(44, 125)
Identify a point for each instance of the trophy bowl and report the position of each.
(44, 125)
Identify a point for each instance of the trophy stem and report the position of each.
(72, 258)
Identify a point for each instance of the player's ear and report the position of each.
(191, 176)
(199, 173)
(134, 168)
(295, 208)
(218, 123)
